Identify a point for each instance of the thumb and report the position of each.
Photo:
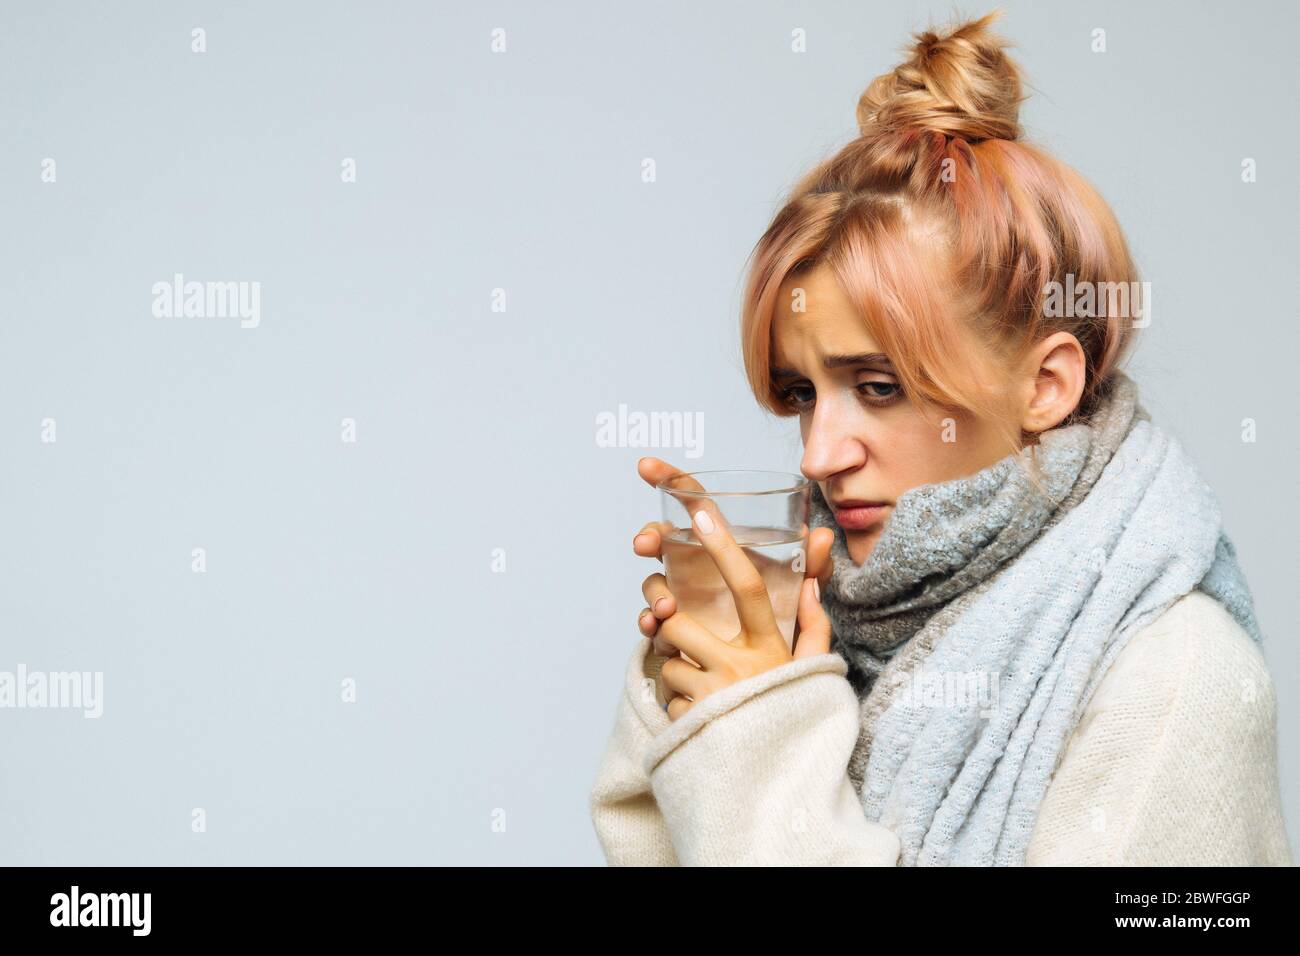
(819, 553)
(814, 626)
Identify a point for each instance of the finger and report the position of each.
(681, 677)
(819, 554)
(647, 623)
(678, 706)
(753, 606)
(654, 470)
(658, 597)
(649, 541)
(694, 639)
(663, 648)
(662, 605)
(658, 473)
(814, 636)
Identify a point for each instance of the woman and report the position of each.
(991, 503)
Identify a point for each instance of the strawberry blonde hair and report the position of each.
(943, 228)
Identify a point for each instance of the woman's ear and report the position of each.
(1055, 372)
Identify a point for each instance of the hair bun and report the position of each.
(960, 83)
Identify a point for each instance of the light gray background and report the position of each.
(476, 429)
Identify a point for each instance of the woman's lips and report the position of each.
(855, 516)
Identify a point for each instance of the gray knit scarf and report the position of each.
(978, 628)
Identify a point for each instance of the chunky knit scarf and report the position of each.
(979, 626)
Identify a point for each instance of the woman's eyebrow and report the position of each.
(863, 358)
(839, 361)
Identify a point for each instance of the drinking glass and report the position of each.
(767, 514)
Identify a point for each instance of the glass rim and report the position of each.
(801, 483)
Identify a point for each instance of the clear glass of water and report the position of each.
(767, 514)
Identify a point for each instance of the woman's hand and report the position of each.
(649, 543)
(759, 646)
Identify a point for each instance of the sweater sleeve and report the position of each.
(628, 823)
(754, 774)
(1174, 761)
(757, 774)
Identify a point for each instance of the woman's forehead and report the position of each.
(824, 332)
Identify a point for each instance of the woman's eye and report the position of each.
(798, 397)
(868, 390)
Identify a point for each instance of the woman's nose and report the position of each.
(831, 445)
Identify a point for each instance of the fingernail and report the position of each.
(659, 605)
(817, 590)
(704, 522)
(639, 537)
(644, 619)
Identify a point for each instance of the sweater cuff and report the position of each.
(639, 686)
(756, 774)
(672, 734)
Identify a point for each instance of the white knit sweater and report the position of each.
(1174, 763)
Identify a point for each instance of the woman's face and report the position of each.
(865, 443)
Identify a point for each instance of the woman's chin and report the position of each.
(861, 543)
